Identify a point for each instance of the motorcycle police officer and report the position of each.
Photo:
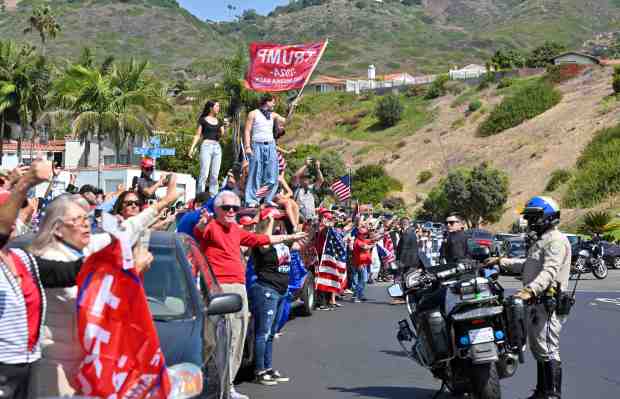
(545, 274)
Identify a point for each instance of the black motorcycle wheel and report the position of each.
(599, 269)
(485, 381)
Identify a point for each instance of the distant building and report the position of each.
(327, 84)
(471, 71)
(576, 58)
(10, 5)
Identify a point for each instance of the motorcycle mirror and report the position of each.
(395, 291)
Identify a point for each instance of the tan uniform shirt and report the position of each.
(548, 260)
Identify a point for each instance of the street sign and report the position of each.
(154, 150)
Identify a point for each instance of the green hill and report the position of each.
(415, 35)
(158, 30)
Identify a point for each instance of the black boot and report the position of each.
(539, 393)
(553, 379)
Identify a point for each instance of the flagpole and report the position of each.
(294, 103)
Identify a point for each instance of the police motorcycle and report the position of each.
(464, 330)
(590, 259)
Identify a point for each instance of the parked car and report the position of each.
(611, 254)
(498, 242)
(576, 242)
(182, 290)
(480, 237)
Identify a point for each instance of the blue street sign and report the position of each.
(154, 151)
(167, 152)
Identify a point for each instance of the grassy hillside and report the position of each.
(431, 36)
(157, 30)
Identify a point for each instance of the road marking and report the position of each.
(612, 301)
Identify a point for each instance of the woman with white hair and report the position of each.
(60, 242)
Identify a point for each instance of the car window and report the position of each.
(166, 286)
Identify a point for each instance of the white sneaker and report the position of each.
(236, 395)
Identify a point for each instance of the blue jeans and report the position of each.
(263, 172)
(210, 161)
(267, 306)
(359, 277)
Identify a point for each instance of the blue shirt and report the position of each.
(188, 222)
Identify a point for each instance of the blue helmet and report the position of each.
(541, 213)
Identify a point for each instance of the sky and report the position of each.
(217, 10)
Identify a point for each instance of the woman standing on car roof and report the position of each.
(267, 297)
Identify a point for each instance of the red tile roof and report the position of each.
(51, 146)
(330, 80)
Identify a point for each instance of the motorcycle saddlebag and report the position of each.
(437, 335)
(516, 314)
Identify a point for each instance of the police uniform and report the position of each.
(548, 261)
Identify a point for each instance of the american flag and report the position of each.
(332, 271)
(342, 188)
(386, 250)
(263, 191)
(281, 162)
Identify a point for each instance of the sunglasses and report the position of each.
(228, 208)
(130, 203)
(452, 221)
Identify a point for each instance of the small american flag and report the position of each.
(263, 191)
(386, 250)
(332, 271)
(342, 188)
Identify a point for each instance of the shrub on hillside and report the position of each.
(474, 106)
(416, 91)
(616, 80)
(371, 184)
(487, 79)
(505, 82)
(438, 87)
(526, 103)
(597, 173)
(389, 110)
(558, 177)
(424, 176)
(393, 203)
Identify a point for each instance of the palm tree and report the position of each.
(7, 101)
(43, 21)
(113, 102)
(597, 222)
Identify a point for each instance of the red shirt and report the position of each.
(32, 297)
(361, 256)
(221, 244)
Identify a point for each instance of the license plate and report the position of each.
(481, 335)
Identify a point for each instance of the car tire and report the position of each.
(308, 296)
(616, 263)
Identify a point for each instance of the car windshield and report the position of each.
(166, 286)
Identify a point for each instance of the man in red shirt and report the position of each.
(221, 240)
(362, 258)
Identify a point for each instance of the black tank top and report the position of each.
(209, 131)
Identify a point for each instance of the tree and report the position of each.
(43, 21)
(541, 56)
(111, 101)
(507, 59)
(477, 194)
(596, 223)
(8, 97)
(389, 110)
(371, 184)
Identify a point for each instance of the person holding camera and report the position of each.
(146, 185)
(305, 190)
(545, 274)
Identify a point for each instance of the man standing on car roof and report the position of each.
(455, 246)
(545, 275)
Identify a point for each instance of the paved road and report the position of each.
(353, 353)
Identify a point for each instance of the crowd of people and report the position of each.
(276, 227)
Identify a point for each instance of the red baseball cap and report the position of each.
(264, 214)
(147, 163)
(246, 221)
(327, 215)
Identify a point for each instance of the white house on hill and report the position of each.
(471, 71)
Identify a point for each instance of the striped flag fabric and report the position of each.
(263, 191)
(281, 162)
(342, 188)
(332, 270)
(386, 250)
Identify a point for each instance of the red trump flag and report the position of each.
(277, 67)
(122, 358)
